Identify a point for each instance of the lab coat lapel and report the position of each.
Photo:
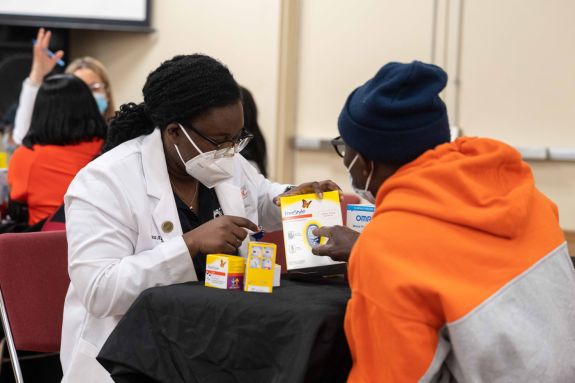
(164, 213)
(165, 216)
(230, 199)
(231, 202)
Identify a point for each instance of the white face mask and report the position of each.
(208, 168)
(365, 193)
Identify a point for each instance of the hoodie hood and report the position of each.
(479, 183)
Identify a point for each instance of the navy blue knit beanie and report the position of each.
(397, 115)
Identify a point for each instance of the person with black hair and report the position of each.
(87, 68)
(66, 132)
(169, 189)
(255, 152)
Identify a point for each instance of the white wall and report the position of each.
(518, 71)
(343, 44)
(517, 66)
(518, 84)
(557, 181)
(517, 76)
(244, 35)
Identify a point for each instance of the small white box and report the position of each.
(277, 274)
(359, 215)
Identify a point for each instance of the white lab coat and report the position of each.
(118, 212)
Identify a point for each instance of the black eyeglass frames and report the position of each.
(338, 146)
(238, 144)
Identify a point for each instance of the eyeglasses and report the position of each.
(339, 146)
(97, 87)
(229, 147)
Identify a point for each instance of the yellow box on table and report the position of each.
(301, 215)
(225, 271)
(260, 267)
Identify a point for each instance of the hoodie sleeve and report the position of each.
(430, 299)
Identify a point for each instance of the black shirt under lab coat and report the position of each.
(209, 208)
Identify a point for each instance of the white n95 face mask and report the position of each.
(365, 193)
(208, 168)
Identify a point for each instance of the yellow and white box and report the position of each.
(359, 215)
(302, 214)
(260, 267)
(225, 271)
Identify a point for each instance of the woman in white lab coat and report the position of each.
(170, 189)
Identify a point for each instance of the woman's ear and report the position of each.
(173, 132)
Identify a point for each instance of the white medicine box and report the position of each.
(359, 215)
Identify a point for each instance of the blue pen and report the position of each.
(258, 234)
(50, 54)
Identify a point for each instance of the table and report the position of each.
(192, 333)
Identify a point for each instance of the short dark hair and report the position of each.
(65, 113)
(178, 90)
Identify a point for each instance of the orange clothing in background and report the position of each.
(40, 176)
(462, 275)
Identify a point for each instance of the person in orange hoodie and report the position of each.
(463, 274)
(67, 132)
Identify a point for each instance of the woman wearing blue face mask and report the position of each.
(66, 133)
(170, 188)
(88, 69)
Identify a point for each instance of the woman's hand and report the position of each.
(42, 64)
(220, 235)
(317, 187)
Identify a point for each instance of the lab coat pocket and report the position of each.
(84, 367)
(87, 348)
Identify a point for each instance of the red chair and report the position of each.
(277, 237)
(33, 284)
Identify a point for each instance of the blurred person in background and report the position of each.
(6, 128)
(255, 152)
(88, 69)
(67, 131)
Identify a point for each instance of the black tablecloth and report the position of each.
(191, 333)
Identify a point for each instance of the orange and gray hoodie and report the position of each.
(462, 275)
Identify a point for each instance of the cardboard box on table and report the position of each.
(359, 215)
(302, 214)
(225, 271)
(260, 267)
